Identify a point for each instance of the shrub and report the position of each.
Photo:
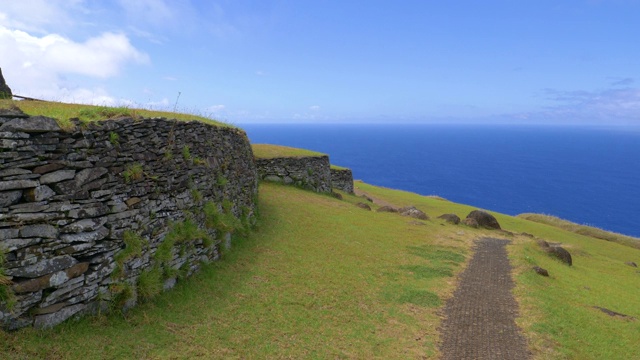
(150, 283)
(133, 172)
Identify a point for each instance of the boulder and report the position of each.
(561, 253)
(450, 218)
(336, 195)
(363, 206)
(470, 222)
(12, 112)
(632, 264)
(411, 211)
(387, 208)
(34, 124)
(5, 91)
(484, 219)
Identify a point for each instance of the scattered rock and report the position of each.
(336, 195)
(413, 212)
(561, 253)
(484, 219)
(631, 263)
(363, 206)
(613, 313)
(366, 198)
(541, 271)
(450, 218)
(543, 244)
(387, 208)
(470, 222)
(527, 235)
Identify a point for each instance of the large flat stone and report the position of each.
(85, 225)
(39, 230)
(57, 176)
(43, 267)
(51, 320)
(17, 184)
(34, 124)
(92, 236)
(88, 175)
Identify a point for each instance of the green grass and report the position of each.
(336, 167)
(266, 151)
(583, 229)
(321, 278)
(63, 112)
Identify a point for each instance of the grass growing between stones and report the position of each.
(63, 112)
(319, 278)
(267, 151)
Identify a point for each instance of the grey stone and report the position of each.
(363, 206)
(39, 193)
(88, 175)
(57, 176)
(6, 234)
(34, 124)
(17, 184)
(450, 218)
(39, 230)
(10, 197)
(13, 171)
(413, 212)
(45, 266)
(89, 211)
(92, 236)
(44, 169)
(85, 225)
(51, 320)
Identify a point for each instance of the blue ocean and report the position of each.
(587, 175)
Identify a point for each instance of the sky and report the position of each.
(407, 61)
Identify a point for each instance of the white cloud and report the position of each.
(37, 66)
(216, 108)
(38, 15)
(156, 10)
(314, 108)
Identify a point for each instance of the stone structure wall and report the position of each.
(310, 172)
(112, 212)
(342, 179)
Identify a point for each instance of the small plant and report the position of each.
(222, 221)
(150, 283)
(221, 180)
(196, 194)
(186, 153)
(114, 138)
(168, 155)
(133, 247)
(122, 292)
(133, 172)
(199, 161)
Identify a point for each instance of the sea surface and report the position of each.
(586, 175)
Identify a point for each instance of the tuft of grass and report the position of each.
(267, 151)
(114, 138)
(7, 296)
(336, 167)
(133, 172)
(186, 153)
(150, 283)
(133, 247)
(582, 229)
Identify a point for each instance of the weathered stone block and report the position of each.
(45, 266)
(17, 184)
(57, 176)
(39, 193)
(51, 320)
(34, 124)
(39, 230)
(92, 236)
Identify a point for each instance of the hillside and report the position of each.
(320, 277)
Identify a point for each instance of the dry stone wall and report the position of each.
(342, 179)
(112, 212)
(310, 172)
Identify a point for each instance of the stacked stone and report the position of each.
(67, 198)
(309, 172)
(5, 91)
(342, 179)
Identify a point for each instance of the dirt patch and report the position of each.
(480, 317)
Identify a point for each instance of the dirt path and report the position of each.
(480, 317)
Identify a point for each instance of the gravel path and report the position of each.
(479, 318)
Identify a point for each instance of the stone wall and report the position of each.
(310, 172)
(342, 179)
(112, 213)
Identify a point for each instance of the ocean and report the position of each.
(587, 175)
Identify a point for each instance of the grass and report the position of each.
(321, 278)
(267, 151)
(63, 112)
(336, 167)
(583, 229)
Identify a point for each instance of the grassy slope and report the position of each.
(62, 112)
(268, 151)
(321, 278)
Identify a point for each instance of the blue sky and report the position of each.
(538, 61)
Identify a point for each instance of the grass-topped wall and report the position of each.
(102, 215)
